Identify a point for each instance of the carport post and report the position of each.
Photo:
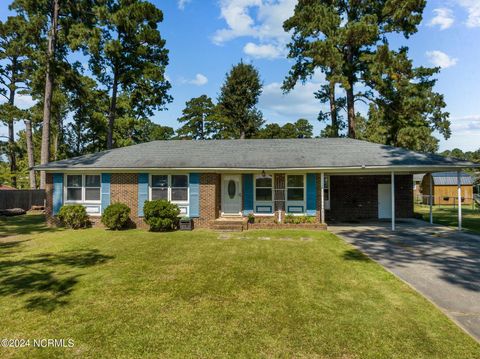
(431, 199)
(322, 197)
(393, 200)
(459, 190)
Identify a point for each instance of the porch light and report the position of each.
(264, 174)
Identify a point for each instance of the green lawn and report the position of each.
(448, 216)
(208, 295)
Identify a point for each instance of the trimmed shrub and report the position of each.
(291, 219)
(116, 216)
(161, 215)
(74, 216)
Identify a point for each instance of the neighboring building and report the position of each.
(417, 186)
(226, 178)
(445, 188)
(4, 187)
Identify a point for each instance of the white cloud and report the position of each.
(443, 18)
(199, 80)
(181, 4)
(22, 101)
(298, 103)
(441, 59)
(466, 124)
(258, 19)
(473, 9)
(267, 51)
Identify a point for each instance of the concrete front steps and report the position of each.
(230, 224)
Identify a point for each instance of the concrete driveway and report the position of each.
(439, 262)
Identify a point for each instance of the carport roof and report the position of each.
(268, 154)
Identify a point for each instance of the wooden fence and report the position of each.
(22, 198)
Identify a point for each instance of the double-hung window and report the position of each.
(159, 187)
(173, 188)
(295, 188)
(82, 188)
(296, 194)
(179, 188)
(264, 194)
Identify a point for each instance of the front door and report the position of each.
(231, 194)
(384, 201)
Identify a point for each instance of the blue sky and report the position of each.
(205, 38)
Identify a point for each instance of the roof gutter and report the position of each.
(359, 169)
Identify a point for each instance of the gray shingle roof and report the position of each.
(254, 154)
(450, 179)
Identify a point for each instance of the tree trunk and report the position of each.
(333, 110)
(47, 104)
(351, 112)
(112, 112)
(31, 161)
(11, 128)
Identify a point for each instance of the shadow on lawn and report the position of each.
(24, 224)
(355, 255)
(44, 279)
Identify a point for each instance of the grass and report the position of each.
(202, 294)
(448, 216)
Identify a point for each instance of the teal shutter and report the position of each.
(105, 191)
(311, 194)
(247, 194)
(194, 190)
(142, 192)
(57, 192)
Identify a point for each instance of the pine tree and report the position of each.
(334, 35)
(406, 109)
(197, 117)
(14, 50)
(128, 56)
(238, 97)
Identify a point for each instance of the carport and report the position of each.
(386, 194)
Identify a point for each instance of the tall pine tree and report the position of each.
(197, 117)
(237, 103)
(335, 35)
(128, 57)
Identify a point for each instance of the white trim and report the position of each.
(169, 189)
(327, 203)
(83, 202)
(459, 193)
(262, 203)
(296, 203)
(392, 186)
(352, 169)
(322, 197)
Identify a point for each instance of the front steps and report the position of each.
(230, 224)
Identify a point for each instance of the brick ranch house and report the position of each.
(330, 179)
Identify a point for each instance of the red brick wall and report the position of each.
(356, 197)
(209, 199)
(124, 189)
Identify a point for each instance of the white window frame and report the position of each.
(263, 203)
(296, 203)
(83, 200)
(169, 190)
(327, 189)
